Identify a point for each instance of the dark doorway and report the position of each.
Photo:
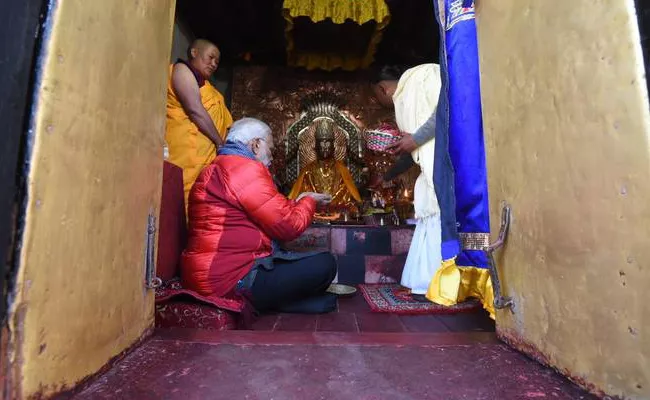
(643, 14)
(20, 29)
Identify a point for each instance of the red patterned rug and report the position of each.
(177, 307)
(396, 299)
(187, 314)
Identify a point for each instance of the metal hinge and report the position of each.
(500, 302)
(151, 280)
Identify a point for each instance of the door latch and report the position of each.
(500, 302)
(151, 280)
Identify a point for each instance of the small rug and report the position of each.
(396, 299)
(173, 289)
(177, 307)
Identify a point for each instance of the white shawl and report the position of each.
(416, 99)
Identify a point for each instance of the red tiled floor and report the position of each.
(296, 322)
(354, 304)
(266, 322)
(379, 322)
(337, 322)
(354, 315)
(172, 369)
(423, 323)
(467, 322)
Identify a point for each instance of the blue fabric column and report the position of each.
(466, 143)
(443, 170)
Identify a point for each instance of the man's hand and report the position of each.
(405, 145)
(320, 198)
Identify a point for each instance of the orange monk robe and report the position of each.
(188, 147)
(327, 176)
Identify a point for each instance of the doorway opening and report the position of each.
(643, 15)
(89, 229)
(259, 79)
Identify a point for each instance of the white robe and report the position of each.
(416, 99)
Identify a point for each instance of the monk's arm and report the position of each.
(187, 91)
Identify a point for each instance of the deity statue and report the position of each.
(327, 174)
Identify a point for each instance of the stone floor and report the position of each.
(189, 364)
(350, 354)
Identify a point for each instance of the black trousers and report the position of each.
(296, 286)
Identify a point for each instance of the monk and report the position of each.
(197, 117)
(328, 175)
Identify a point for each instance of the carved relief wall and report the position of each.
(274, 94)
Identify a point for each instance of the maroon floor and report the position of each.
(350, 354)
(311, 365)
(354, 315)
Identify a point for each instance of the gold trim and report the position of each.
(474, 241)
(338, 11)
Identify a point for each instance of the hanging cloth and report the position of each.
(469, 275)
(337, 12)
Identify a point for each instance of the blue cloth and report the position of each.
(443, 169)
(233, 148)
(465, 127)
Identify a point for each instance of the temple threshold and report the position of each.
(365, 254)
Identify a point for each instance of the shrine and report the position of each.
(330, 133)
(293, 202)
(343, 90)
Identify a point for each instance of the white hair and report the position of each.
(247, 129)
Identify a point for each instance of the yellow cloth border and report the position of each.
(338, 11)
(454, 284)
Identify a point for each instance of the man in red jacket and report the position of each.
(236, 217)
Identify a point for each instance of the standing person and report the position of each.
(459, 174)
(414, 95)
(197, 117)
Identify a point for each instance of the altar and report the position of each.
(333, 140)
(331, 123)
(365, 254)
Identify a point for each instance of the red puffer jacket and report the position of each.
(234, 212)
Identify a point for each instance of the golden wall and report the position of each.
(567, 124)
(95, 175)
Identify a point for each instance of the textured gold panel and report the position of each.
(566, 122)
(95, 174)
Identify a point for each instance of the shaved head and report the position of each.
(204, 56)
(199, 46)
